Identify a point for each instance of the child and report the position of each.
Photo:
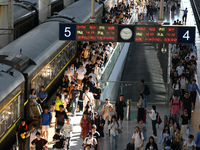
(32, 135)
(143, 129)
(68, 128)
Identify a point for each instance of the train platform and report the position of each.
(128, 126)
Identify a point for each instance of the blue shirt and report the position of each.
(42, 95)
(185, 11)
(194, 87)
(197, 139)
(46, 118)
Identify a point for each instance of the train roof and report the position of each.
(22, 10)
(8, 81)
(80, 10)
(41, 42)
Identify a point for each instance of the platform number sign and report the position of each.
(186, 35)
(67, 32)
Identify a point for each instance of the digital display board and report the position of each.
(96, 32)
(156, 34)
(127, 33)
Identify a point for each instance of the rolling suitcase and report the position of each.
(130, 146)
(36, 109)
(141, 113)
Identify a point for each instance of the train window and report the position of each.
(18, 105)
(50, 71)
(2, 123)
(9, 116)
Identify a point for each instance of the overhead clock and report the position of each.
(126, 33)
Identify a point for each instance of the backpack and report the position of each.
(21, 125)
(175, 103)
(158, 119)
(146, 90)
(92, 140)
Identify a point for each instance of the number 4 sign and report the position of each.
(186, 35)
(67, 32)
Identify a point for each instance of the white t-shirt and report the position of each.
(80, 73)
(94, 77)
(180, 70)
(69, 74)
(72, 69)
(189, 145)
(92, 141)
(32, 136)
(88, 97)
(183, 82)
(68, 129)
(138, 139)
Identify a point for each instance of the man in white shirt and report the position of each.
(90, 142)
(87, 96)
(94, 76)
(97, 71)
(138, 139)
(80, 74)
(105, 112)
(180, 69)
(184, 84)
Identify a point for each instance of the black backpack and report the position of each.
(146, 90)
(158, 119)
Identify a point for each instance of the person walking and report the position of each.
(190, 143)
(119, 107)
(114, 134)
(88, 96)
(152, 115)
(58, 102)
(151, 145)
(75, 93)
(185, 123)
(187, 104)
(177, 139)
(143, 86)
(193, 91)
(39, 143)
(68, 128)
(59, 140)
(105, 113)
(89, 142)
(42, 96)
(184, 18)
(197, 139)
(32, 135)
(85, 125)
(175, 106)
(97, 96)
(45, 121)
(140, 107)
(60, 118)
(165, 135)
(138, 139)
(22, 133)
(96, 135)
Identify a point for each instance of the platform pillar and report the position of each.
(44, 9)
(6, 22)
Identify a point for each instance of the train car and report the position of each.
(41, 57)
(25, 18)
(11, 102)
(26, 15)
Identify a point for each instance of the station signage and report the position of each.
(127, 33)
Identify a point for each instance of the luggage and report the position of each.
(130, 146)
(15, 146)
(36, 109)
(141, 114)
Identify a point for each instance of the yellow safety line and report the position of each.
(10, 101)
(5, 135)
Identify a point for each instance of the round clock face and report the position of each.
(126, 33)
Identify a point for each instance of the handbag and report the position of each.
(119, 131)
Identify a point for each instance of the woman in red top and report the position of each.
(85, 126)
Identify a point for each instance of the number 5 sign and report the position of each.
(67, 32)
(186, 35)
